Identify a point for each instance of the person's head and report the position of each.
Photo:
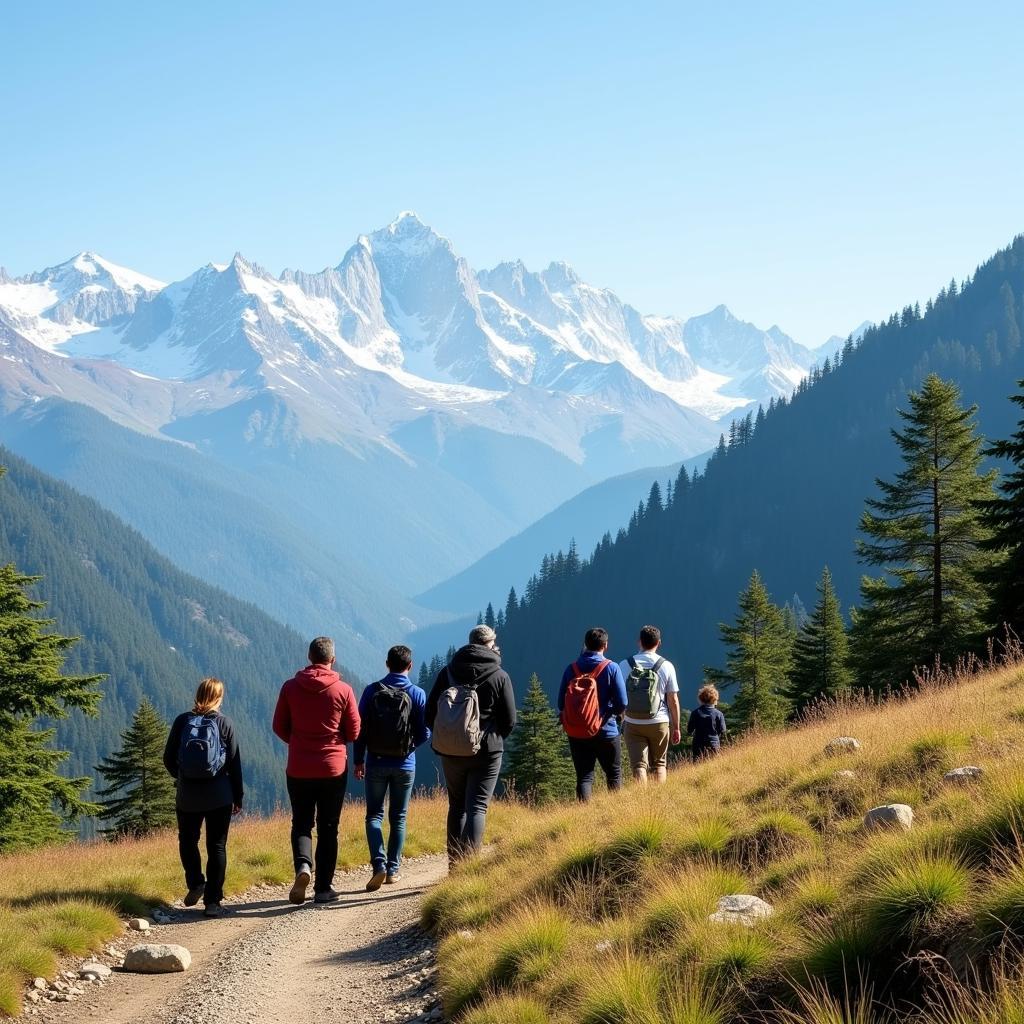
(707, 694)
(321, 651)
(482, 635)
(650, 638)
(596, 639)
(209, 697)
(399, 658)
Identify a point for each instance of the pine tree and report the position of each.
(760, 655)
(1005, 516)
(139, 795)
(537, 762)
(821, 653)
(925, 531)
(34, 798)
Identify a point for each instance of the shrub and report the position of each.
(912, 901)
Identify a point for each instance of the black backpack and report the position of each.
(387, 725)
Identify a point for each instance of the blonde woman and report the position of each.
(202, 754)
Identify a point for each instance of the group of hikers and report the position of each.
(467, 716)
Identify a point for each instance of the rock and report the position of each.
(969, 773)
(157, 958)
(33, 996)
(846, 775)
(741, 909)
(113, 951)
(138, 924)
(842, 745)
(604, 946)
(898, 816)
(466, 933)
(93, 970)
(39, 984)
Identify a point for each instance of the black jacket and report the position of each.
(479, 666)
(207, 794)
(707, 727)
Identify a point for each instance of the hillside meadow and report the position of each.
(600, 914)
(69, 900)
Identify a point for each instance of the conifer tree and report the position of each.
(760, 655)
(821, 653)
(537, 762)
(34, 799)
(926, 532)
(1005, 516)
(139, 795)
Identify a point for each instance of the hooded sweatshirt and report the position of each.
(480, 667)
(316, 716)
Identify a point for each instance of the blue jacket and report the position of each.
(420, 732)
(707, 727)
(611, 691)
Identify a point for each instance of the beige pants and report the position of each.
(647, 745)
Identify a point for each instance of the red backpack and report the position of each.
(581, 713)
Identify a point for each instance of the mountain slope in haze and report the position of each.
(153, 629)
(583, 519)
(788, 500)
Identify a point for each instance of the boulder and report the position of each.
(969, 773)
(157, 958)
(741, 909)
(138, 924)
(92, 969)
(842, 745)
(897, 816)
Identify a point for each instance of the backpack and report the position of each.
(457, 730)
(581, 710)
(642, 697)
(201, 753)
(387, 725)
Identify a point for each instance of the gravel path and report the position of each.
(362, 960)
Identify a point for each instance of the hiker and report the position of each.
(393, 715)
(590, 700)
(706, 724)
(317, 717)
(652, 711)
(203, 756)
(470, 711)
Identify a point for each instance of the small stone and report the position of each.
(466, 933)
(842, 745)
(603, 946)
(157, 958)
(69, 975)
(897, 816)
(969, 773)
(741, 909)
(39, 983)
(94, 970)
(138, 924)
(59, 986)
(33, 996)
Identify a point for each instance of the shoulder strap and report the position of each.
(632, 661)
(576, 670)
(657, 665)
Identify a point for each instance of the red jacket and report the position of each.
(317, 715)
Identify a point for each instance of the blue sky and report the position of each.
(808, 164)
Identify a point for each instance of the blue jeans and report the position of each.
(382, 783)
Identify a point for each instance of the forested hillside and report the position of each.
(782, 496)
(153, 629)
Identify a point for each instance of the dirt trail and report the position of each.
(362, 960)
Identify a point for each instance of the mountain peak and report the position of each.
(560, 276)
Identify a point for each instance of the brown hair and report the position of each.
(209, 696)
(707, 694)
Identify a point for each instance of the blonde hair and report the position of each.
(209, 696)
(707, 694)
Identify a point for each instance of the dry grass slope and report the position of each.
(599, 914)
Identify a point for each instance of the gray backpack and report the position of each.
(643, 699)
(456, 731)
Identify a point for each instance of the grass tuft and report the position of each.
(532, 945)
(508, 1009)
(625, 993)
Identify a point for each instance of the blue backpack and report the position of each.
(201, 754)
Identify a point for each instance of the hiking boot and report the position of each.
(327, 896)
(213, 910)
(302, 879)
(393, 877)
(376, 880)
(194, 895)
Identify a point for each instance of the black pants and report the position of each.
(317, 802)
(702, 752)
(217, 823)
(470, 782)
(587, 754)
